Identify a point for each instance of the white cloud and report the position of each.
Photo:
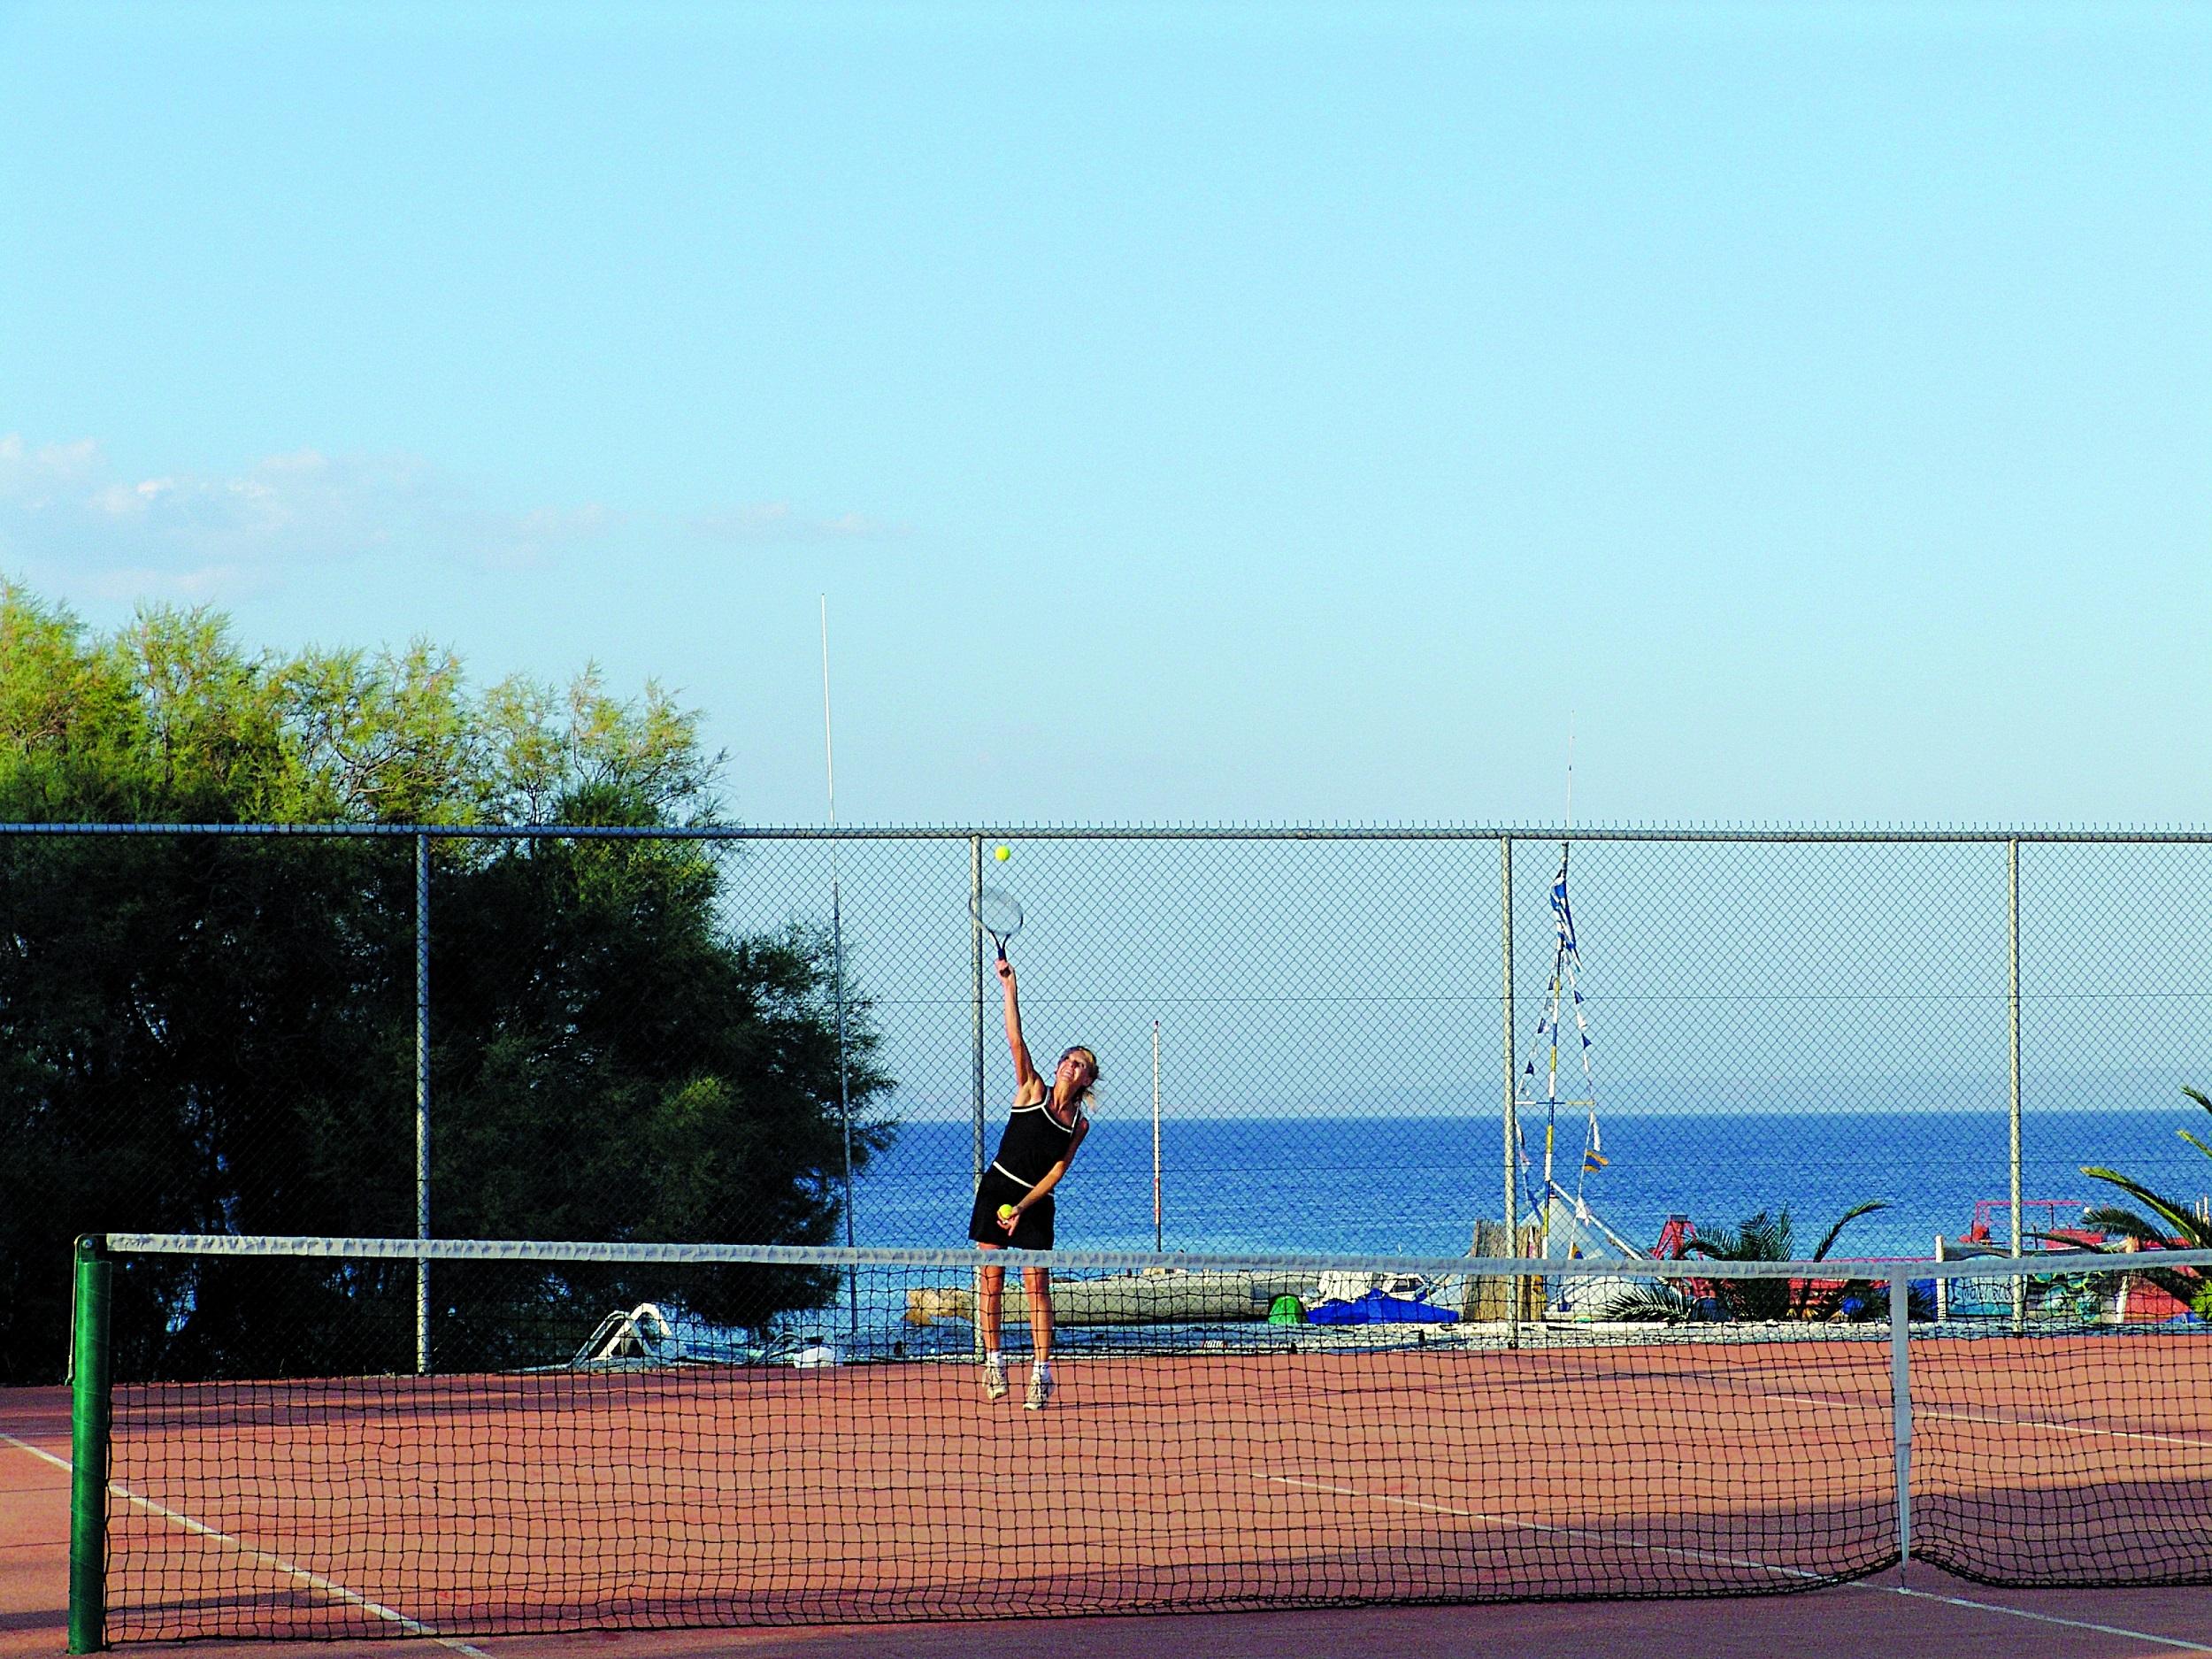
(778, 521)
(69, 519)
(76, 525)
(859, 524)
(31, 480)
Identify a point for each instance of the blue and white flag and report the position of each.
(1559, 907)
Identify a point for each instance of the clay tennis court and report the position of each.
(524, 1505)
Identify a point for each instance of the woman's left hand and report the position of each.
(1007, 1224)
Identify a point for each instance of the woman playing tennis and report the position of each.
(1013, 1201)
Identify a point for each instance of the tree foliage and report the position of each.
(1762, 1238)
(216, 1032)
(1765, 1236)
(2171, 1222)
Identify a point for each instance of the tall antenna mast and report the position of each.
(829, 744)
(837, 963)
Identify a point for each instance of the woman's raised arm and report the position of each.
(1028, 1086)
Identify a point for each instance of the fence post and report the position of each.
(1900, 1399)
(1512, 1112)
(422, 1100)
(975, 943)
(975, 946)
(844, 1087)
(88, 1423)
(1159, 1231)
(2012, 937)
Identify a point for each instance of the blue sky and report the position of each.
(1210, 413)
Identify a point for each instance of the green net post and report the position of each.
(88, 1451)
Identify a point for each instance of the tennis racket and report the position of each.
(998, 913)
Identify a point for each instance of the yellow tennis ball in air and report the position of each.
(1001, 852)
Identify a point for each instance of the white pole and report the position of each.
(1157, 1233)
(1900, 1396)
(422, 1099)
(829, 739)
(2012, 1000)
(975, 982)
(1512, 1112)
(837, 968)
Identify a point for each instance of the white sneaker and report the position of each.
(1040, 1390)
(994, 1380)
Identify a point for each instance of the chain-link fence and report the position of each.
(636, 1034)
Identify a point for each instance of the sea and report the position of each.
(1415, 1186)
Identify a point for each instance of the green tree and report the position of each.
(215, 1032)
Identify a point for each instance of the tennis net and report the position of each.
(292, 1438)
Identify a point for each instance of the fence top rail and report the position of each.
(2044, 1263)
(1896, 834)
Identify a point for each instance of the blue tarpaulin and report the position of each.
(1374, 1308)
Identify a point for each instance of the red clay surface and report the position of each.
(706, 1497)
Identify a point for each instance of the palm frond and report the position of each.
(1756, 1240)
(1773, 1238)
(1845, 1220)
(1864, 1300)
(2191, 1289)
(1666, 1303)
(2186, 1222)
(2126, 1222)
(1768, 1236)
(1808, 1300)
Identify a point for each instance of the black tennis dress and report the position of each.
(1031, 1146)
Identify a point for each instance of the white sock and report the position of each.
(1042, 1369)
(992, 1357)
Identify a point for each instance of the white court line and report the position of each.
(1854, 1402)
(2148, 1435)
(1842, 1402)
(2176, 1642)
(312, 1580)
(37, 1451)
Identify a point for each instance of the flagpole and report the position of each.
(1571, 968)
(837, 969)
(1558, 974)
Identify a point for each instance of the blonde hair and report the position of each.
(1083, 1048)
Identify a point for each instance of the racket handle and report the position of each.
(1002, 948)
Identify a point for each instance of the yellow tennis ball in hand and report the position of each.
(1001, 852)
(1006, 1212)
